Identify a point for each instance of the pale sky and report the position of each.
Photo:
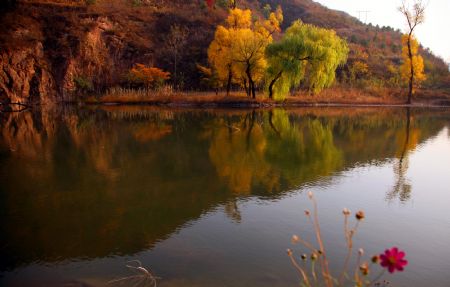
(434, 33)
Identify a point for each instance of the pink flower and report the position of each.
(393, 260)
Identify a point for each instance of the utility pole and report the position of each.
(361, 12)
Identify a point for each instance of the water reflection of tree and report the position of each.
(238, 154)
(119, 181)
(402, 187)
(232, 211)
(270, 151)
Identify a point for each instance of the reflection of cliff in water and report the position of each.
(94, 183)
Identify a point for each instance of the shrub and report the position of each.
(137, 3)
(150, 77)
(223, 3)
(83, 84)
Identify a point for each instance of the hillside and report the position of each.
(378, 46)
(50, 50)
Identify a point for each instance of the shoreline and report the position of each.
(333, 97)
(256, 104)
(238, 101)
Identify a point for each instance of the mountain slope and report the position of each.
(381, 45)
(50, 49)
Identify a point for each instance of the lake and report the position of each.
(212, 197)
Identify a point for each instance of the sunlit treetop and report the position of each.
(274, 21)
(239, 19)
(238, 49)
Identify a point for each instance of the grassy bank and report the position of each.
(333, 96)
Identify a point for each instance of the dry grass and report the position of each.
(332, 96)
(143, 277)
(346, 95)
(373, 96)
(167, 95)
(62, 3)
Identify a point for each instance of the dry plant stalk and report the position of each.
(143, 277)
(392, 259)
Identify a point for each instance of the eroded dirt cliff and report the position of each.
(50, 52)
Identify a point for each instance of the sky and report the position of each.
(434, 33)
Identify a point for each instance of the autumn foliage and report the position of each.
(243, 52)
(210, 3)
(413, 62)
(148, 76)
(238, 49)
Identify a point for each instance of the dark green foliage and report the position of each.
(223, 3)
(83, 84)
(266, 10)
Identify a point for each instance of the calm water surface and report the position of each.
(211, 198)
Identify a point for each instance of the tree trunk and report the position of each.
(253, 90)
(175, 80)
(271, 123)
(408, 128)
(246, 88)
(230, 77)
(250, 128)
(411, 76)
(250, 81)
(272, 83)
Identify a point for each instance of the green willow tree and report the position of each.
(305, 52)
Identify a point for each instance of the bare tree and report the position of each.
(415, 15)
(175, 42)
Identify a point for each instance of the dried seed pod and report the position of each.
(360, 215)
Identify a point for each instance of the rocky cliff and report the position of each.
(51, 51)
(47, 49)
(25, 75)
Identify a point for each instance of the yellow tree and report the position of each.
(415, 16)
(220, 50)
(412, 69)
(250, 48)
(219, 56)
(238, 50)
(248, 54)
